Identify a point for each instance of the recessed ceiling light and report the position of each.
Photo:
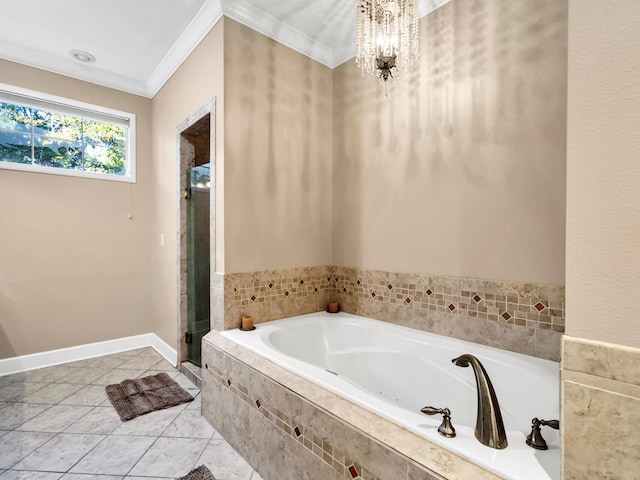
(81, 56)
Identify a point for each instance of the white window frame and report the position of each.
(67, 106)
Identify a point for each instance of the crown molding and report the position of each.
(425, 7)
(344, 54)
(264, 23)
(69, 68)
(208, 15)
(204, 20)
(256, 19)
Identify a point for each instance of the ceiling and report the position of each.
(138, 44)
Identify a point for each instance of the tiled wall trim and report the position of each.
(606, 360)
(521, 317)
(601, 410)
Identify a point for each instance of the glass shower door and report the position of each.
(198, 255)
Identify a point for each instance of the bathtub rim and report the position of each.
(507, 463)
(309, 368)
(415, 448)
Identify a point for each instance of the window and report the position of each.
(46, 134)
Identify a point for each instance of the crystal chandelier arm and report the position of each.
(386, 36)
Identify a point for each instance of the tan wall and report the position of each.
(603, 188)
(199, 79)
(461, 170)
(278, 115)
(73, 268)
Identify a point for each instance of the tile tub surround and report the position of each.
(601, 410)
(289, 428)
(521, 317)
(269, 295)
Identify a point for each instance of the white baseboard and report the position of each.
(91, 350)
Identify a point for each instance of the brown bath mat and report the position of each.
(133, 398)
(200, 473)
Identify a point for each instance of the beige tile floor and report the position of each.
(57, 423)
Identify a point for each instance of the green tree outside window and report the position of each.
(50, 139)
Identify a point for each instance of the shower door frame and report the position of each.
(185, 161)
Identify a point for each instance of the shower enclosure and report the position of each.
(198, 263)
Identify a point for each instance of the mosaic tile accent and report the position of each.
(265, 287)
(521, 317)
(273, 294)
(300, 433)
(514, 303)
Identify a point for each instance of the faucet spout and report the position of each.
(489, 426)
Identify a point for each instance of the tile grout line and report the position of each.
(56, 434)
(106, 435)
(155, 441)
(61, 432)
(195, 392)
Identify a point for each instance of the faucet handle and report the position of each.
(534, 439)
(446, 428)
(550, 423)
(432, 411)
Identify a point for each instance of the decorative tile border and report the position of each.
(516, 316)
(278, 285)
(271, 294)
(513, 303)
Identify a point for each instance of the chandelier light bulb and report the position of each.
(387, 37)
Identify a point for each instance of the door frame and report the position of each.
(185, 160)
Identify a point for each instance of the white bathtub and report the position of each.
(394, 371)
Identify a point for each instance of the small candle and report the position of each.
(247, 323)
(333, 307)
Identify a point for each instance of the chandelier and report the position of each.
(387, 37)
